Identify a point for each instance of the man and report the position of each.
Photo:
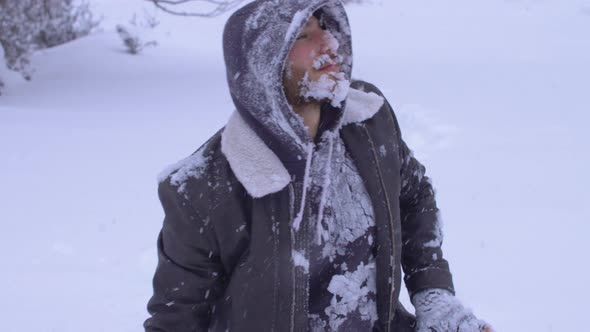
(300, 213)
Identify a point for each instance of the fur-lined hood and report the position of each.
(256, 42)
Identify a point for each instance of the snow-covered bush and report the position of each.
(7, 76)
(28, 25)
(64, 21)
(15, 35)
(130, 40)
(2, 69)
(130, 35)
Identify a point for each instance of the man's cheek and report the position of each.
(288, 72)
(303, 56)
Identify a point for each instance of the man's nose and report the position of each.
(325, 43)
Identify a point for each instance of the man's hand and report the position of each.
(438, 310)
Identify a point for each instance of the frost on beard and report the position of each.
(332, 47)
(331, 86)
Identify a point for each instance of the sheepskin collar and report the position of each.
(259, 169)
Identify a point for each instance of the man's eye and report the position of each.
(302, 36)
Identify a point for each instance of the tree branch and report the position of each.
(220, 6)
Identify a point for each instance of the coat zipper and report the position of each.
(299, 199)
(390, 225)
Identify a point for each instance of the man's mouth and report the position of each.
(324, 62)
(328, 66)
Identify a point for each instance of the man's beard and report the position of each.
(330, 87)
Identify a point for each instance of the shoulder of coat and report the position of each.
(198, 166)
(384, 128)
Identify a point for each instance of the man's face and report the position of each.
(312, 56)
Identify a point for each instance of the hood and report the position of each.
(256, 42)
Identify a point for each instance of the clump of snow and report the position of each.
(382, 151)
(351, 293)
(319, 61)
(325, 186)
(331, 86)
(438, 233)
(179, 172)
(300, 260)
(347, 212)
(316, 323)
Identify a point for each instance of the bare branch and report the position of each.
(219, 6)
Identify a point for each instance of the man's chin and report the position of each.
(314, 100)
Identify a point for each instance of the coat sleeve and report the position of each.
(189, 275)
(422, 257)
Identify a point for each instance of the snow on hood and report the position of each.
(256, 42)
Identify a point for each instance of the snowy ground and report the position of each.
(492, 95)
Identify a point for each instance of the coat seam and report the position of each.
(293, 289)
(389, 214)
(276, 271)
